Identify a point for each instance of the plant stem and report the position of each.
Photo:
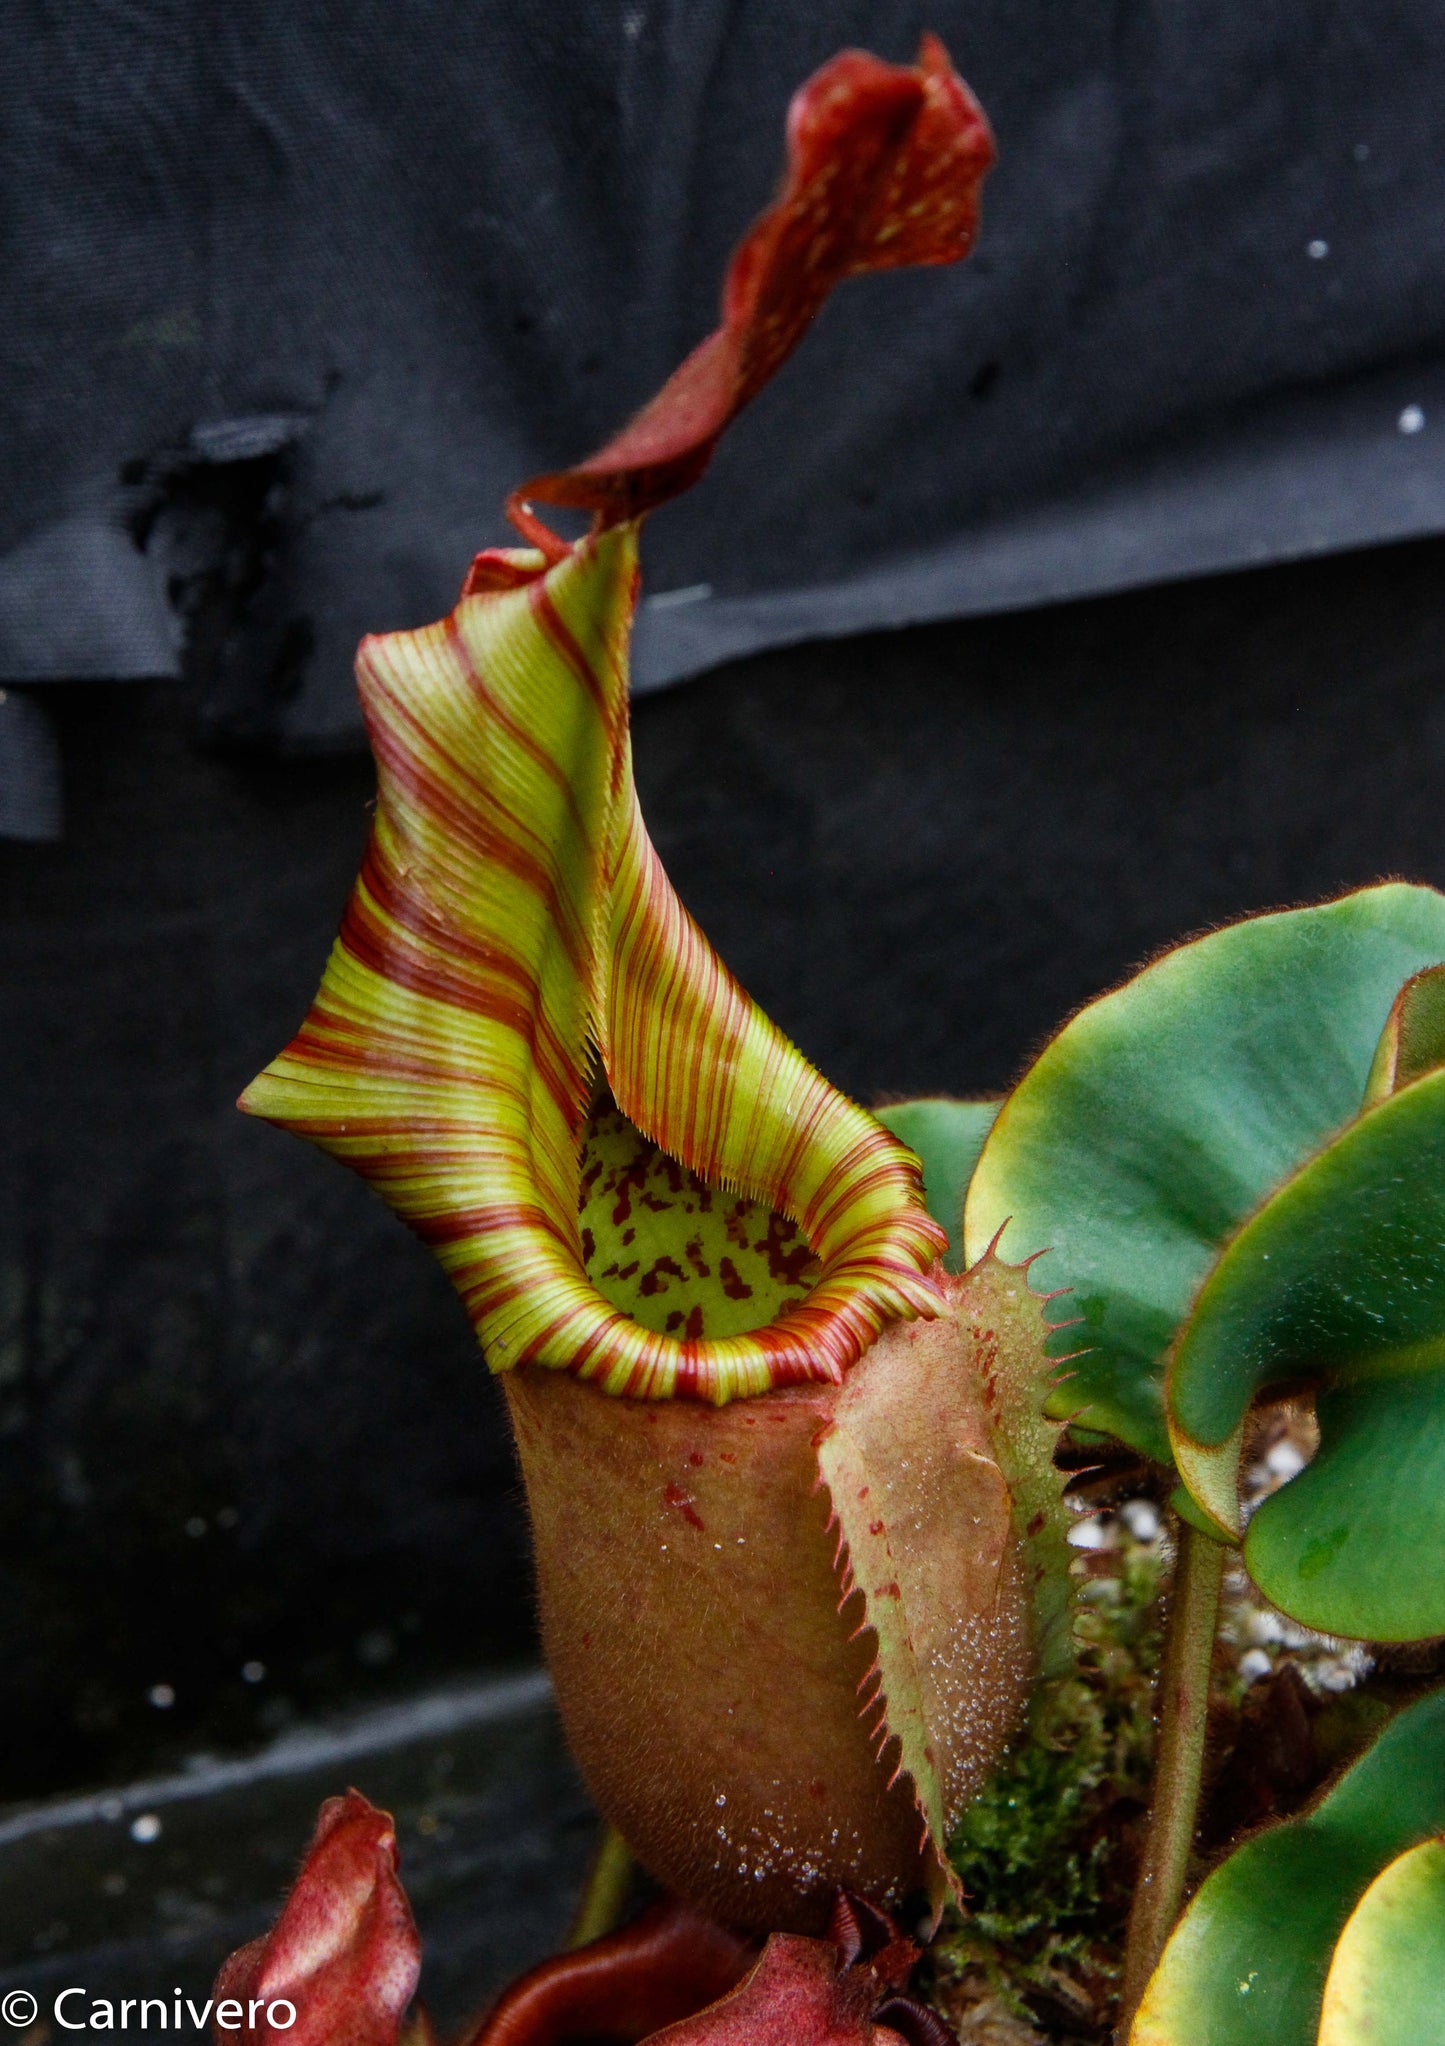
(1182, 1710)
(604, 1893)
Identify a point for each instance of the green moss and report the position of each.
(1046, 1854)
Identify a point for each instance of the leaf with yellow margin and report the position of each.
(1246, 1964)
(1386, 1983)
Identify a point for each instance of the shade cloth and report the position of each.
(298, 291)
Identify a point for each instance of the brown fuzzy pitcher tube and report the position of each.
(706, 1599)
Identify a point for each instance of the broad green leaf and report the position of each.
(1386, 1984)
(1339, 1278)
(1165, 1112)
(1247, 1963)
(946, 1137)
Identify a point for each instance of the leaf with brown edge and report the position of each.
(928, 1539)
(344, 1954)
(1162, 1114)
(1412, 1042)
(885, 165)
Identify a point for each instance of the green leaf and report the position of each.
(1167, 1111)
(1247, 1963)
(1387, 1981)
(946, 1137)
(1340, 1277)
(1412, 1042)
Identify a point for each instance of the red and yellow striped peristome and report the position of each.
(511, 934)
(513, 942)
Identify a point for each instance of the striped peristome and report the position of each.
(511, 941)
(513, 948)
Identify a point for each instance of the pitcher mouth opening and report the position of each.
(678, 1254)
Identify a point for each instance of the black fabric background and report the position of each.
(919, 850)
(296, 293)
(300, 290)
